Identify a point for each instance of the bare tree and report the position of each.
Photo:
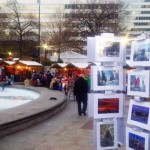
(4, 20)
(3, 23)
(59, 33)
(21, 27)
(95, 18)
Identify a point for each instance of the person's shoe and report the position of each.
(84, 113)
(80, 114)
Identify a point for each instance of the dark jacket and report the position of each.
(81, 86)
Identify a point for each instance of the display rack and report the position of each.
(138, 123)
(107, 52)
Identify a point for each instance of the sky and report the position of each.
(42, 1)
(48, 1)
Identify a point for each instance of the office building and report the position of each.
(139, 17)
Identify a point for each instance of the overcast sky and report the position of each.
(52, 1)
(42, 1)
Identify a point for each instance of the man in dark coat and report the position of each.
(49, 78)
(80, 91)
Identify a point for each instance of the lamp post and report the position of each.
(45, 46)
(10, 56)
(39, 37)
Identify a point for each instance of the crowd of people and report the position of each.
(78, 83)
(51, 81)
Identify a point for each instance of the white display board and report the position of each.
(108, 53)
(106, 105)
(107, 135)
(139, 114)
(137, 140)
(139, 83)
(106, 49)
(107, 78)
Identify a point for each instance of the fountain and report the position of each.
(13, 97)
(24, 106)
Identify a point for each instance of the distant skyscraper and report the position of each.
(139, 20)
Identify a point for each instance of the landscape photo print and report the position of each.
(107, 135)
(140, 53)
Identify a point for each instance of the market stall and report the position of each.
(20, 69)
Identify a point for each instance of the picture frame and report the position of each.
(107, 135)
(139, 114)
(139, 83)
(107, 105)
(136, 140)
(106, 78)
(140, 53)
(105, 49)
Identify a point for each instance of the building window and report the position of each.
(141, 24)
(145, 12)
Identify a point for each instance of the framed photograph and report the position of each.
(106, 78)
(139, 114)
(105, 49)
(107, 135)
(140, 53)
(138, 83)
(136, 140)
(107, 105)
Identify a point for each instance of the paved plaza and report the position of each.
(64, 131)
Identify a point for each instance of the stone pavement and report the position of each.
(64, 131)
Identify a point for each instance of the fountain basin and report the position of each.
(18, 118)
(13, 97)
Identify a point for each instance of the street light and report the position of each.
(9, 53)
(9, 57)
(45, 46)
(39, 38)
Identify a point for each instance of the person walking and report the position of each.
(80, 91)
(49, 78)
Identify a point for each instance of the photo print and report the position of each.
(139, 83)
(139, 114)
(108, 77)
(109, 49)
(107, 106)
(136, 140)
(140, 53)
(106, 49)
(107, 135)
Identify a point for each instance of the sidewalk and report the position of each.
(65, 131)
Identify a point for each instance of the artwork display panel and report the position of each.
(136, 140)
(107, 135)
(104, 49)
(108, 106)
(139, 114)
(140, 53)
(106, 78)
(138, 83)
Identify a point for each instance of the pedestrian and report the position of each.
(49, 77)
(80, 91)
